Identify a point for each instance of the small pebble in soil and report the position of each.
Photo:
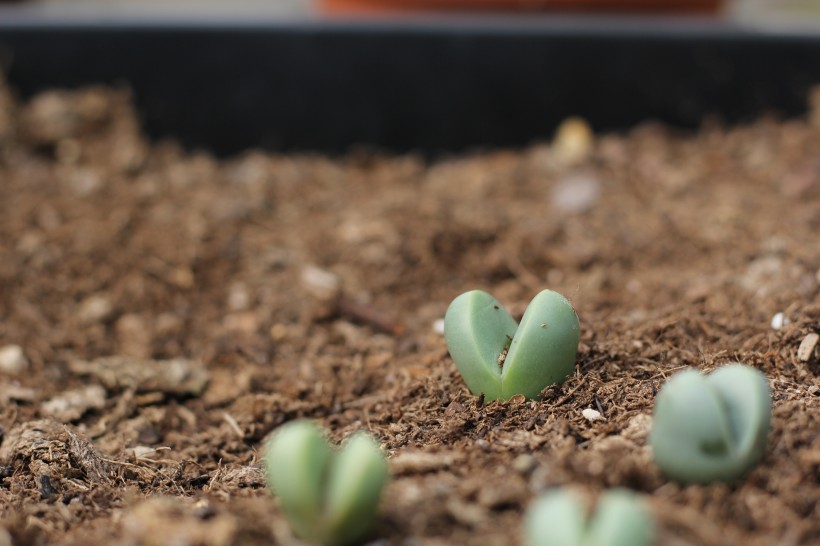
(576, 193)
(323, 284)
(438, 326)
(807, 346)
(13, 360)
(779, 320)
(239, 297)
(591, 414)
(94, 308)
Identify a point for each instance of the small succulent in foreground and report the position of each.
(711, 427)
(559, 519)
(500, 358)
(329, 498)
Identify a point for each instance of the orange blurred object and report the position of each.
(681, 6)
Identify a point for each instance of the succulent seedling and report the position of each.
(330, 498)
(559, 519)
(713, 427)
(500, 358)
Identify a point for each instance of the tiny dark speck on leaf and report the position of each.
(495, 307)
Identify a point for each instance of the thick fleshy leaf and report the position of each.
(329, 498)
(478, 330)
(619, 520)
(544, 347)
(297, 462)
(501, 359)
(709, 428)
(558, 518)
(555, 519)
(357, 477)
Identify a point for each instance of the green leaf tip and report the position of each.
(558, 518)
(330, 498)
(711, 427)
(500, 358)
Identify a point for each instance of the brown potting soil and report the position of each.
(162, 311)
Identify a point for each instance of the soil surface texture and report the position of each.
(163, 311)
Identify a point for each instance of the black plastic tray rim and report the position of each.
(414, 84)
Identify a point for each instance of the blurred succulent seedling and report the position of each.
(559, 518)
(329, 497)
(711, 427)
(500, 358)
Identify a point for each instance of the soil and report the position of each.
(162, 311)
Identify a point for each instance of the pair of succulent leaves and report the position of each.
(559, 518)
(711, 427)
(500, 358)
(329, 497)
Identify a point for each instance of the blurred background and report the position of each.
(779, 12)
(272, 95)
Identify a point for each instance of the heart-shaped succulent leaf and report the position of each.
(713, 427)
(559, 519)
(329, 498)
(500, 358)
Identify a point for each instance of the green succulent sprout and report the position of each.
(713, 427)
(559, 519)
(330, 498)
(500, 358)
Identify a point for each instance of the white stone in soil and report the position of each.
(779, 320)
(591, 414)
(13, 360)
